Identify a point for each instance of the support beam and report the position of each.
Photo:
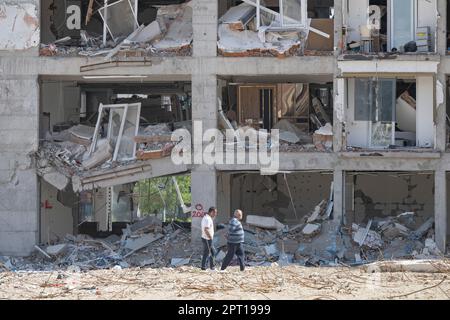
(338, 195)
(440, 209)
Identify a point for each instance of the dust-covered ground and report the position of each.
(255, 283)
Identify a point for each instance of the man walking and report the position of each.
(207, 238)
(235, 241)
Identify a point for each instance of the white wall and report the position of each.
(61, 100)
(357, 131)
(57, 221)
(357, 15)
(425, 128)
(427, 16)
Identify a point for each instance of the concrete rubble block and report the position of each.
(100, 156)
(220, 256)
(141, 242)
(219, 240)
(367, 237)
(147, 34)
(391, 231)
(311, 229)
(423, 229)
(398, 249)
(287, 246)
(145, 224)
(146, 262)
(56, 249)
(112, 239)
(265, 222)
(418, 266)
(252, 249)
(271, 250)
(317, 212)
(178, 262)
(42, 252)
(56, 179)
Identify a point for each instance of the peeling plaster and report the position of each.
(19, 25)
(439, 93)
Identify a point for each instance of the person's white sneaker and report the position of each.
(212, 270)
(223, 271)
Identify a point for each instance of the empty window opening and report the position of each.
(401, 26)
(389, 113)
(303, 112)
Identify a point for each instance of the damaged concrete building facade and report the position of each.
(90, 92)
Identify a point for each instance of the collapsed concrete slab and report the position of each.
(265, 222)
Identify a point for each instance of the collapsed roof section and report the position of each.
(253, 29)
(117, 151)
(123, 28)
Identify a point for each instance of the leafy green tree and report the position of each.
(153, 195)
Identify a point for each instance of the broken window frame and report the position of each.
(122, 125)
(106, 29)
(375, 105)
(302, 24)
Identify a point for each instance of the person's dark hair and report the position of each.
(211, 210)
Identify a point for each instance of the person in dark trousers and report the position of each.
(235, 241)
(207, 238)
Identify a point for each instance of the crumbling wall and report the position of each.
(56, 219)
(18, 181)
(19, 25)
(388, 194)
(269, 195)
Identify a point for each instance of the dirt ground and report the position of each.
(256, 283)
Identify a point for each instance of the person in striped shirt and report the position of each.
(235, 241)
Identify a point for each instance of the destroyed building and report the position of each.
(357, 89)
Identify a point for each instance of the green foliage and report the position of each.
(154, 194)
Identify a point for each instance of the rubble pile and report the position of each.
(144, 243)
(170, 34)
(67, 153)
(398, 237)
(239, 36)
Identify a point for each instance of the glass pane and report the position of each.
(381, 134)
(402, 22)
(386, 100)
(127, 147)
(292, 10)
(364, 91)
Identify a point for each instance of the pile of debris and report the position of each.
(268, 241)
(144, 243)
(170, 34)
(81, 150)
(243, 33)
(293, 139)
(398, 237)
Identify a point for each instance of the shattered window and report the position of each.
(375, 100)
(289, 14)
(292, 10)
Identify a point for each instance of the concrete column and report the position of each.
(19, 209)
(204, 196)
(203, 177)
(224, 197)
(440, 211)
(338, 195)
(441, 35)
(441, 45)
(338, 95)
(204, 22)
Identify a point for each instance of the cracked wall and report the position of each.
(20, 26)
(387, 194)
(18, 182)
